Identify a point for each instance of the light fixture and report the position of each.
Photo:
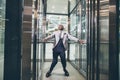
(63, 11)
(53, 7)
(65, 8)
(52, 11)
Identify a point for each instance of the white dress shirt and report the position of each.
(64, 35)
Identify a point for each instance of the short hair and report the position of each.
(62, 26)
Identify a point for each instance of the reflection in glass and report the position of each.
(73, 24)
(37, 36)
(83, 47)
(104, 40)
(72, 4)
(48, 50)
(74, 54)
(78, 28)
(2, 30)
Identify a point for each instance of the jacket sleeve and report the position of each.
(72, 38)
(50, 36)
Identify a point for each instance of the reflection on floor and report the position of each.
(58, 73)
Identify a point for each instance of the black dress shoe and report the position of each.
(48, 74)
(66, 74)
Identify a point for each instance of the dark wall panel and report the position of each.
(12, 65)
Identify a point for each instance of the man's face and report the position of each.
(60, 27)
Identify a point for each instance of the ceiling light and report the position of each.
(63, 12)
(52, 11)
(53, 7)
(65, 8)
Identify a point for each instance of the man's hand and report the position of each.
(81, 41)
(44, 40)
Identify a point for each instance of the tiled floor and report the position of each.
(58, 73)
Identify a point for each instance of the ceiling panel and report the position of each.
(57, 6)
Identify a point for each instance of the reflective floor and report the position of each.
(58, 73)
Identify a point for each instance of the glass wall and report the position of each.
(78, 28)
(40, 35)
(37, 47)
(74, 56)
(104, 40)
(2, 30)
(73, 51)
(72, 4)
(83, 50)
(73, 23)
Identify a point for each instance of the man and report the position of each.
(61, 38)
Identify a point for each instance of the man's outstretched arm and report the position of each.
(49, 37)
(75, 39)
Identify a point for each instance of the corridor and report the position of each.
(58, 73)
(25, 55)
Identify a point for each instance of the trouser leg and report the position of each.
(54, 62)
(63, 60)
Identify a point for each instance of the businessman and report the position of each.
(60, 45)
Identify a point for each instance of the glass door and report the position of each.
(2, 30)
